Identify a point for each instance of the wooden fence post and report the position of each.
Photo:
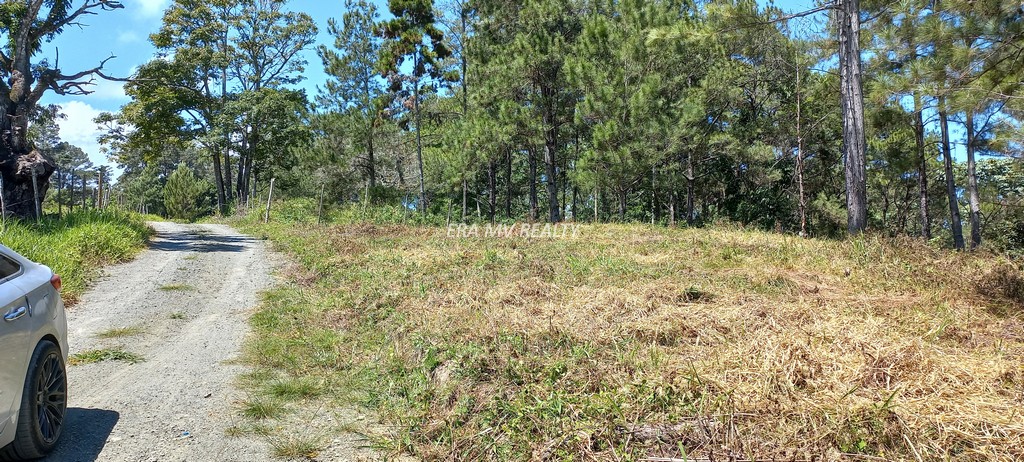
(270, 197)
(320, 208)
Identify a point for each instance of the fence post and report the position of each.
(270, 197)
(320, 208)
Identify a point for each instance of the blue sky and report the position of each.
(124, 33)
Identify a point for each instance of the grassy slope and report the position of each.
(632, 341)
(77, 245)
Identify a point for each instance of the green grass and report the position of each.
(262, 408)
(633, 342)
(176, 288)
(121, 332)
(108, 354)
(179, 315)
(78, 245)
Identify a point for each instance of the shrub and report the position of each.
(183, 194)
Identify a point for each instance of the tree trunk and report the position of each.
(654, 195)
(972, 183)
(465, 194)
(622, 206)
(575, 203)
(947, 154)
(371, 161)
(800, 158)
(17, 169)
(922, 168)
(60, 190)
(853, 116)
(492, 189)
(672, 206)
(508, 185)
(533, 183)
(99, 192)
(243, 192)
(550, 150)
(19, 163)
(71, 192)
(419, 139)
(219, 180)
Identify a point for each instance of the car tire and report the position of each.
(43, 406)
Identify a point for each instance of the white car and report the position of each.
(33, 346)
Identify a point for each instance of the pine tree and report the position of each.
(412, 35)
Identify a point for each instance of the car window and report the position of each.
(8, 267)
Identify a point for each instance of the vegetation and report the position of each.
(121, 332)
(79, 244)
(633, 341)
(184, 193)
(25, 27)
(108, 354)
(660, 112)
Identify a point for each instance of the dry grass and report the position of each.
(633, 342)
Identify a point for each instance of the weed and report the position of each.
(109, 354)
(261, 408)
(295, 388)
(639, 341)
(179, 315)
(120, 332)
(177, 288)
(296, 447)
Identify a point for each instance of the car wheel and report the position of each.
(43, 405)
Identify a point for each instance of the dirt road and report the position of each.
(183, 304)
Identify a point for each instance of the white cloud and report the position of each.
(107, 90)
(149, 8)
(129, 37)
(79, 129)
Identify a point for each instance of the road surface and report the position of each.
(185, 301)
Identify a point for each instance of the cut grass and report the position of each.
(108, 354)
(176, 288)
(635, 342)
(121, 332)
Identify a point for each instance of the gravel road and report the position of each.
(187, 299)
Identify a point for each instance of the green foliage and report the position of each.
(77, 245)
(184, 194)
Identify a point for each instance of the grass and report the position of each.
(631, 342)
(176, 288)
(121, 332)
(108, 354)
(178, 315)
(261, 408)
(78, 245)
(296, 447)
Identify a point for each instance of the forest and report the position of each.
(665, 112)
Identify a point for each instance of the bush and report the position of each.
(183, 194)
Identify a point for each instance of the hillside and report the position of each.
(628, 342)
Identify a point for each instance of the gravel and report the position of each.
(190, 294)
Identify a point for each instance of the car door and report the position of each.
(14, 332)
